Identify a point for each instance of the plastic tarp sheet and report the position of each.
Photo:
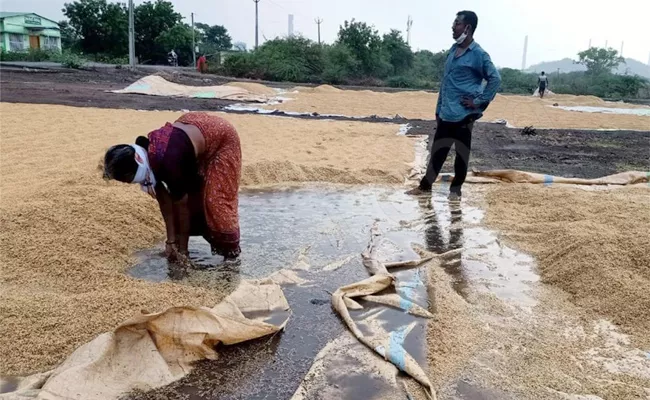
(388, 345)
(644, 112)
(154, 350)
(154, 85)
(514, 176)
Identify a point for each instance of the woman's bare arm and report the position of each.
(182, 219)
(166, 208)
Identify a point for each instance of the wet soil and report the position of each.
(559, 152)
(570, 153)
(334, 226)
(88, 89)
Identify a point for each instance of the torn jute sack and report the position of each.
(153, 350)
(387, 346)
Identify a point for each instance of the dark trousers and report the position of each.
(447, 134)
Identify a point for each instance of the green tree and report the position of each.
(365, 43)
(294, 59)
(214, 38)
(101, 27)
(69, 38)
(599, 60)
(340, 63)
(398, 52)
(518, 82)
(430, 66)
(153, 20)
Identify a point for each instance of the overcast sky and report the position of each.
(556, 28)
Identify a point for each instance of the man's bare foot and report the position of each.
(454, 198)
(416, 191)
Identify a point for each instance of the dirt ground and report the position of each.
(560, 152)
(88, 89)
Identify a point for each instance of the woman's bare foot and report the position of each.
(231, 261)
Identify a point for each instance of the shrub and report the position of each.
(239, 65)
(403, 81)
(33, 55)
(70, 60)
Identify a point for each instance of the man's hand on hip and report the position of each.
(468, 102)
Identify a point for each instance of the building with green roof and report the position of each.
(24, 31)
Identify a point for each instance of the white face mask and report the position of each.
(462, 38)
(144, 176)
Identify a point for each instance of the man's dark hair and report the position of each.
(470, 18)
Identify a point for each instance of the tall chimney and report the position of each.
(290, 25)
(523, 61)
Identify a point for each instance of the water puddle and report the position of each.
(319, 234)
(9, 384)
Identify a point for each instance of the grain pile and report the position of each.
(518, 110)
(592, 244)
(254, 88)
(556, 347)
(455, 335)
(66, 236)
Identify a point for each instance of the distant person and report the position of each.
(202, 64)
(542, 82)
(173, 58)
(461, 101)
(193, 168)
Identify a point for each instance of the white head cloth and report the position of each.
(144, 176)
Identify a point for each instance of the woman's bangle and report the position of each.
(170, 242)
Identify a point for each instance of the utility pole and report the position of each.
(318, 22)
(523, 61)
(193, 44)
(409, 24)
(290, 25)
(131, 35)
(589, 44)
(257, 39)
(621, 49)
(606, 46)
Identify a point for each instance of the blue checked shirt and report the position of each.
(464, 77)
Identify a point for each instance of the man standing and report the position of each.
(542, 82)
(461, 101)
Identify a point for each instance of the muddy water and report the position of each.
(320, 233)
